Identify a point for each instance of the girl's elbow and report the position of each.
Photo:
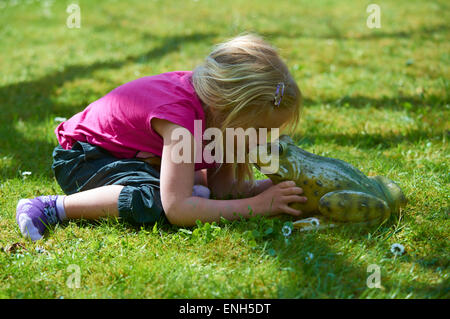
(175, 216)
(173, 220)
(177, 221)
(171, 215)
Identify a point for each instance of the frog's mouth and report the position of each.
(266, 159)
(277, 174)
(287, 157)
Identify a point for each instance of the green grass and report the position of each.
(376, 98)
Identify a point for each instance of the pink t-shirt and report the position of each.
(119, 122)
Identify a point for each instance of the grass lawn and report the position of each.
(376, 98)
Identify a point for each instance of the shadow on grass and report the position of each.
(428, 291)
(30, 101)
(366, 141)
(309, 265)
(419, 103)
(318, 269)
(423, 32)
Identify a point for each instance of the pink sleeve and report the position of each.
(180, 114)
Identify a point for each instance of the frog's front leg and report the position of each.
(353, 206)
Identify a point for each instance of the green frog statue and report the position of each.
(334, 188)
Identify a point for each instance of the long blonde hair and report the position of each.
(238, 82)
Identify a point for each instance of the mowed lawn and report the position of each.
(376, 98)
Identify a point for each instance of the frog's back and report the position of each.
(329, 174)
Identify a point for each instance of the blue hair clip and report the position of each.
(279, 94)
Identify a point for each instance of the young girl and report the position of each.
(114, 158)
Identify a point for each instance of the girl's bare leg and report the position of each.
(93, 203)
(34, 215)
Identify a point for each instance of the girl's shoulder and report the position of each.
(170, 80)
(170, 88)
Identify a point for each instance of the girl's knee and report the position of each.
(140, 205)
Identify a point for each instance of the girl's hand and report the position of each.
(276, 199)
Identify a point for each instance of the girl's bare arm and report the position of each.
(223, 184)
(183, 209)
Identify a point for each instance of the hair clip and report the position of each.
(279, 94)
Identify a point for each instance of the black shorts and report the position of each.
(86, 166)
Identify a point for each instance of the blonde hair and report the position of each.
(238, 82)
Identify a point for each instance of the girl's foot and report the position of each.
(35, 215)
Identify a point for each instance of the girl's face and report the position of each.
(273, 120)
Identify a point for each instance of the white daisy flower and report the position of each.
(60, 119)
(40, 250)
(309, 256)
(286, 230)
(397, 249)
(25, 174)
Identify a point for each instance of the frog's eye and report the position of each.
(280, 148)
